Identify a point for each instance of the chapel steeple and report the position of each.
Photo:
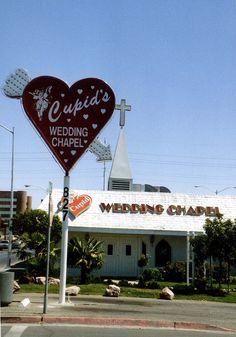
(120, 178)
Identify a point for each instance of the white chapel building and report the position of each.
(134, 219)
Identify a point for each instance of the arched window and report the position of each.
(162, 253)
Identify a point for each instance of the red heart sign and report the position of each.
(68, 118)
(80, 204)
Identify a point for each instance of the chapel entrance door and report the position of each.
(121, 257)
(128, 255)
(111, 266)
(162, 253)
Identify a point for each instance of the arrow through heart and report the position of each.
(68, 118)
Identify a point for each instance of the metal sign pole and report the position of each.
(50, 218)
(64, 240)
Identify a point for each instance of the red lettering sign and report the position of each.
(80, 204)
(68, 118)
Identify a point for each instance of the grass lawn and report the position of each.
(99, 289)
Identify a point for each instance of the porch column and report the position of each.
(187, 257)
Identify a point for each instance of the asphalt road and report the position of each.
(105, 311)
(95, 331)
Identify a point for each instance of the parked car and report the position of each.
(4, 244)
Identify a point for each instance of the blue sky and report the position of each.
(174, 61)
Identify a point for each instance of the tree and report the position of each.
(201, 253)
(226, 242)
(87, 254)
(31, 228)
(230, 247)
(218, 243)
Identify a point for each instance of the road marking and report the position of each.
(16, 331)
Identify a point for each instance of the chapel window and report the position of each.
(109, 249)
(128, 250)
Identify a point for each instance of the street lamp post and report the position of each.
(50, 217)
(216, 191)
(12, 194)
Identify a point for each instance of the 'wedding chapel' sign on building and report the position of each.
(68, 118)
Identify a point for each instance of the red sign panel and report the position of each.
(80, 204)
(68, 118)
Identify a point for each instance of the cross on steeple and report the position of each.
(123, 108)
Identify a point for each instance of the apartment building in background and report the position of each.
(21, 203)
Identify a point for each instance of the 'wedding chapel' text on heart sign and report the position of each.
(68, 118)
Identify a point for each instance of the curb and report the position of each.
(49, 319)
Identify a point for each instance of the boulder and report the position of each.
(72, 291)
(40, 280)
(16, 287)
(167, 294)
(54, 281)
(51, 280)
(112, 291)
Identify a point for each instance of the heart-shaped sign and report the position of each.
(80, 204)
(68, 118)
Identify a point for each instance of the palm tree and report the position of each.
(87, 254)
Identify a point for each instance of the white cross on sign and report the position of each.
(123, 108)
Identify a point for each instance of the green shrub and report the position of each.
(149, 278)
(141, 283)
(76, 280)
(180, 289)
(216, 292)
(200, 284)
(151, 274)
(233, 280)
(153, 285)
(220, 273)
(174, 272)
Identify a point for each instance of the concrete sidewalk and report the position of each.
(122, 311)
